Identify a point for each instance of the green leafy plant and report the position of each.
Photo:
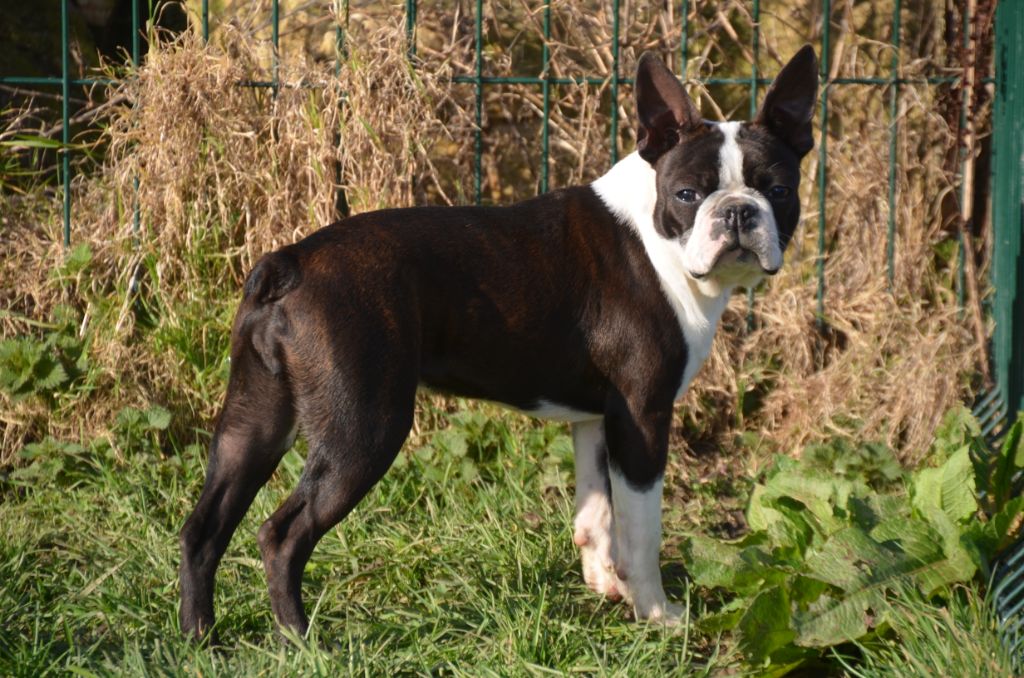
(134, 426)
(63, 463)
(473, 444)
(835, 534)
(47, 365)
(53, 462)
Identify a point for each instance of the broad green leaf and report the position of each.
(864, 569)
(158, 418)
(561, 448)
(942, 555)
(724, 619)
(453, 441)
(869, 511)
(805, 590)
(49, 374)
(959, 428)
(129, 419)
(914, 536)
(851, 560)
(468, 470)
(759, 513)
(814, 490)
(785, 660)
(949, 487)
(741, 569)
(786, 527)
(1008, 462)
(999, 530)
(75, 261)
(765, 626)
(830, 621)
(868, 462)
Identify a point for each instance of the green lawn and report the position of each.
(459, 565)
(461, 562)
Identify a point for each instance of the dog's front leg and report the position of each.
(592, 528)
(637, 448)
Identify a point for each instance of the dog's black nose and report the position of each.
(739, 216)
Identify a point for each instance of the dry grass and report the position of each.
(228, 172)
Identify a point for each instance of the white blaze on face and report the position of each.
(703, 250)
(730, 159)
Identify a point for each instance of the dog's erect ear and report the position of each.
(788, 106)
(663, 108)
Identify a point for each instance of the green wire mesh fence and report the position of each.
(479, 81)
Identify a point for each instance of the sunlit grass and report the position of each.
(433, 573)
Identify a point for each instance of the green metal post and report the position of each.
(826, 26)
(341, 13)
(478, 139)
(755, 14)
(206, 20)
(65, 113)
(341, 208)
(615, 83)
(545, 149)
(894, 94)
(136, 215)
(410, 27)
(961, 263)
(684, 39)
(275, 18)
(135, 33)
(1008, 205)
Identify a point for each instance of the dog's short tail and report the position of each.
(263, 323)
(274, 275)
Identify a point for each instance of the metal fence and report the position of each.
(1008, 306)
(1008, 303)
(1011, 389)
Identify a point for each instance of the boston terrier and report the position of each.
(594, 305)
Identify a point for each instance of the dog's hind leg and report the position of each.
(592, 528)
(353, 439)
(256, 427)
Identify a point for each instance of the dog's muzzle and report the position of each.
(734, 231)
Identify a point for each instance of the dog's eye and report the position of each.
(778, 192)
(688, 195)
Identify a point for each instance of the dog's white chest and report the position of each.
(698, 348)
(629, 191)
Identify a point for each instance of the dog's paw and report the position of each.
(599, 574)
(664, 614)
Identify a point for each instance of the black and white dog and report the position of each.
(594, 305)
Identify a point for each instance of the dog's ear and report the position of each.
(663, 108)
(788, 106)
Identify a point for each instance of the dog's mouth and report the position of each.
(736, 254)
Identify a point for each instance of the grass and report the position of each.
(958, 639)
(460, 562)
(438, 571)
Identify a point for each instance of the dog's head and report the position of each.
(727, 192)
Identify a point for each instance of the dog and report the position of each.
(594, 305)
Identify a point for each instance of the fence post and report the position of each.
(1007, 205)
(65, 151)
